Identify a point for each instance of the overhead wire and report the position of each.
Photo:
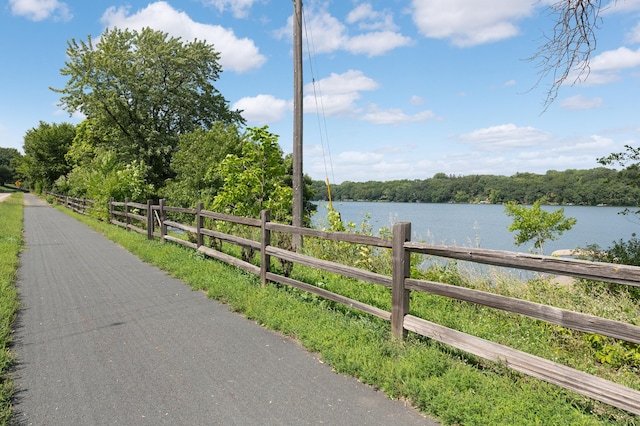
(317, 93)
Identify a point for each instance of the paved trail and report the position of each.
(103, 338)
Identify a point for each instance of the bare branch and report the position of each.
(566, 53)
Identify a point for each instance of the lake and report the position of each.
(485, 225)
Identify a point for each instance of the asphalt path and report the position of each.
(103, 338)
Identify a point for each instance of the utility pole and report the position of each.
(298, 182)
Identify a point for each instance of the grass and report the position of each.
(10, 245)
(447, 384)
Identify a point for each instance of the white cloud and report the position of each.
(416, 100)
(579, 102)
(338, 92)
(470, 22)
(509, 83)
(330, 35)
(606, 67)
(369, 19)
(236, 54)
(505, 137)
(239, 8)
(396, 116)
(376, 43)
(262, 109)
(625, 6)
(634, 35)
(38, 10)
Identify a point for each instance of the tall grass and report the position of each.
(10, 243)
(452, 386)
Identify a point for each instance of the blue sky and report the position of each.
(405, 89)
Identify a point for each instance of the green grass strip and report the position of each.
(444, 383)
(11, 215)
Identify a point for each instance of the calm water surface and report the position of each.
(485, 225)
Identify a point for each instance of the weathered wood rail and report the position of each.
(77, 204)
(156, 216)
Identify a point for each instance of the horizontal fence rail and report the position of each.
(149, 218)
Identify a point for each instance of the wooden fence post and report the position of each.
(163, 227)
(110, 209)
(265, 241)
(199, 224)
(149, 220)
(126, 212)
(401, 270)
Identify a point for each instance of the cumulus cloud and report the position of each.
(239, 8)
(236, 54)
(38, 10)
(396, 116)
(470, 22)
(338, 92)
(579, 102)
(606, 67)
(505, 137)
(380, 35)
(262, 109)
(369, 19)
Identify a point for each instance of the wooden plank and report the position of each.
(330, 296)
(233, 219)
(137, 205)
(585, 384)
(328, 266)
(138, 217)
(182, 226)
(565, 318)
(598, 271)
(230, 259)
(116, 222)
(180, 241)
(333, 236)
(179, 210)
(137, 229)
(244, 242)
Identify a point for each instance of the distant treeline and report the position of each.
(599, 186)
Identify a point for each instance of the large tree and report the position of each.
(141, 90)
(9, 159)
(45, 148)
(196, 164)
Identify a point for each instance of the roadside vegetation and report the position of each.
(10, 245)
(448, 384)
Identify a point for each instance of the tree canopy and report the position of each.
(45, 148)
(141, 90)
(537, 224)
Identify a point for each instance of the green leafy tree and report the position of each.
(45, 148)
(9, 159)
(537, 224)
(105, 177)
(196, 164)
(141, 90)
(256, 180)
(630, 176)
(6, 174)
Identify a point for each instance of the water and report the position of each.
(485, 225)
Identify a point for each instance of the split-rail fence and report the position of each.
(153, 220)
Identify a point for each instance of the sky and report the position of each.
(393, 89)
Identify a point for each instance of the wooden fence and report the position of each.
(149, 218)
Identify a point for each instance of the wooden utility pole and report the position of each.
(298, 182)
